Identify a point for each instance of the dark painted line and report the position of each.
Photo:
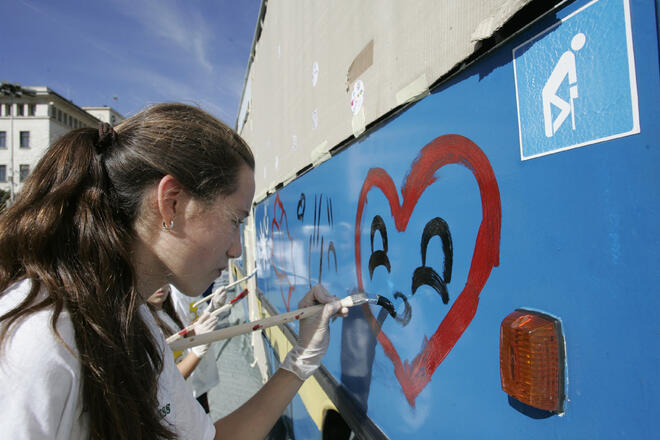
(439, 227)
(426, 276)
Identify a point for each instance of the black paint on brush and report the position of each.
(387, 305)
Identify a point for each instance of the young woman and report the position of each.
(194, 362)
(104, 220)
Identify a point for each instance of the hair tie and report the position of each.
(107, 136)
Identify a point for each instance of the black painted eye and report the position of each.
(425, 275)
(300, 211)
(378, 257)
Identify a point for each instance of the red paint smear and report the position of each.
(445, 150)
(239, 297)
(299, 315)
(257, 327)
(183, 332)
(277, 223)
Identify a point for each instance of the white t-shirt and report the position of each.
(205, 375)
(41, 383)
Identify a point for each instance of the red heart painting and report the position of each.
(280, 223)
(449, 149)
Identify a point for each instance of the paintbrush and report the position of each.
(247, 327)
(181, 333)
(223, 290)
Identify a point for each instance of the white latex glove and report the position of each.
(219, 300)
(314, 335)
(206, 323)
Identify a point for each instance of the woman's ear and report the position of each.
(168, 198)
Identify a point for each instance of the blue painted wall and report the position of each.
(579, 239)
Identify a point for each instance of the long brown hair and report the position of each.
(70, 231)
(168, 308)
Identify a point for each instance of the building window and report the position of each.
(3, 173)
(19, 110)
(3, 139)
(53, 112)
(23, 170)
(32, 109)
(59, 115)
(25, 139)
(7, 109)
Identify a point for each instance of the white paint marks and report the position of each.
(357, 96)
(315, 73)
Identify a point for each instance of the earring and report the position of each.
(170, 226)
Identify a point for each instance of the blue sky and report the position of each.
(139, 51)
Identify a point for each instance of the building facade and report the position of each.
(31, 119)
(105, 114)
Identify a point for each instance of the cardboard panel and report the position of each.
(312, 57)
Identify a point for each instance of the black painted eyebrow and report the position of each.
(379, 257)
(377, 224)
(439, 227)
(425, 275)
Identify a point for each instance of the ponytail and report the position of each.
(66, 235)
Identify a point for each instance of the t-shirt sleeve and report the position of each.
(40, 383)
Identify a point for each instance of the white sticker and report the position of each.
(294, 142)
(315, 73)
(357, 96)
(315, 119)
(277, 162)
(264, 171)
(279, 51)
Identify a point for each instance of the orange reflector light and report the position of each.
(532, 359)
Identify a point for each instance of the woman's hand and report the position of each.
(314, 335)
(204, 324)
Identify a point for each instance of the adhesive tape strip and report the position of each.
(414, 91)
(358, 123)
(290, 178)
(320, 153)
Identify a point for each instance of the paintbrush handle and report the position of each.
(221, 289)
(246, 327)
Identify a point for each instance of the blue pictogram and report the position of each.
(575, 81)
